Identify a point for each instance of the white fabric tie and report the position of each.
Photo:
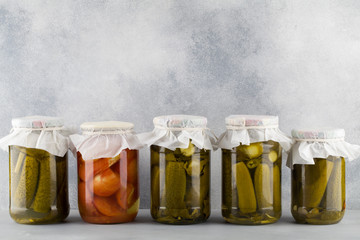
(89, 133)
(250, 127)
(181, 129)
(320, 140)
(41, 129)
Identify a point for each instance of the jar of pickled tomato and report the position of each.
(108, 184)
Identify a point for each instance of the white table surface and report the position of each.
(215, 228)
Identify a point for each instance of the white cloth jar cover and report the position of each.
(40, 132)
(104, 139)
(176, 131)
(320, 143)
(247, 129)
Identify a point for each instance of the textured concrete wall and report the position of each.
(133, 60)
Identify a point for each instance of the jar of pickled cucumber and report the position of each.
(180, 169)
(38, 174)
(108, 184)
(251, 169)
(317, 162)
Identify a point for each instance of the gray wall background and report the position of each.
(133, 60)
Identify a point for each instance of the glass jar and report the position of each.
(251, 183)
(108, 187)
(180, 184)
(38, 186)
(251, 169)
(180, 168)
(318, 191)
(317, 162)
(38, 179)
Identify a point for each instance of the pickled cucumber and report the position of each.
(195, 171)
(198, 190)
(277, 188)
(155, 158)
(19, 162)
(189, 151)
(263, 186)
(253, 163)
(61, 170)
(204, 182)
(254, 150)
(27, 185)
(155, 193)
(195, 167)
(334, 192)
(313, 213)
(26, 199)
(175, 185)
(33, 152)
(251, 192)
(245, 188)
(181, 184)
(227, 196)
(62, 195)
(272, 156)
(315, 182)
(192, 197)
(332, 216)
(306, 180)
(46, 191)
(170, 157)
(15, 168)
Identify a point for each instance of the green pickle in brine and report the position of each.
(318, 191)
(26, 186)
(38, 186)
(180, 185)
(251, 183)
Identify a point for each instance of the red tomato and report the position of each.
(126, 196)
(129, 166)
(116, 167)
(106, 183)
(129, 154)
(132, 154)
(105, 219)
(79, 157)
(132, 171)
(125, 218)
(108, 206)
(85, 202)
(81, 171)
(90, 168)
